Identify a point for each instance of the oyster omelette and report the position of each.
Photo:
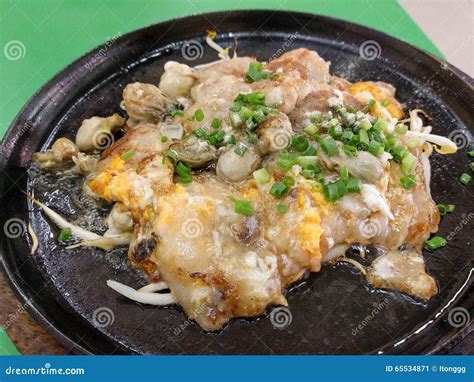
(229, 181)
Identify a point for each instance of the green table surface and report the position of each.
(50, 34)
(40, 37)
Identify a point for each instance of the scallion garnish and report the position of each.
(279, 190)
(408, 163)
(288, 181)
(401, 128)
(242, 207)
(375, 148)
(127, 155)
(216, 123)
(311, 129)
(65, 234)
(353, 185)
(199, 115)
(344, 173)
(282, 208)
(174, 113)
(172, 154)
(445, 208)
(256, 72)
(408, 181)
(299, 143)
(329, 146)
(305, 161)
(240, 149)
(261, 176)
(184, 172)
(465, 179)
(435, 243)
(334, 191)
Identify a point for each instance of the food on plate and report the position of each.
(233, 179)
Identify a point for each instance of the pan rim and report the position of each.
(79, 63)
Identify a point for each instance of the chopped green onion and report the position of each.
(174, 113)
(199, 115)
(363, 136)
(329, 146)
(344, 173)
(376, 148)
(316, 117)
(434, 243)
(235, 120)
(465, 179)
(471, 153)
(369, 106)
(279, 189)
(190, 117)
(216, 123)
(65, 234)
(445, 208)
(365, 124)
(172, 154)
(186, 179)
(350, 150)
(200, 133)
(310, 151)
(414, 143)
(308, 173)
(285, 164)
(408, 181)
(261, 176)
(299, 143)
(334, 191)
(442, 209)
(216, 137)
(242, 207)
(128, 154)
(252, 138)
(240, 149)
(288, 181)
(380, 125)
(347, 136)
(311, 129)
(184, 173)
(335, 131)
(409, 162)
(255, 98)
(164, 139)
(398, 153)
(471, 165)
(401, 128)
(305, 161)
(256, 72)
(353, 185)
(385, 103)
(282, 208)
(391, 140)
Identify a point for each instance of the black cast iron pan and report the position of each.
(333, 311)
